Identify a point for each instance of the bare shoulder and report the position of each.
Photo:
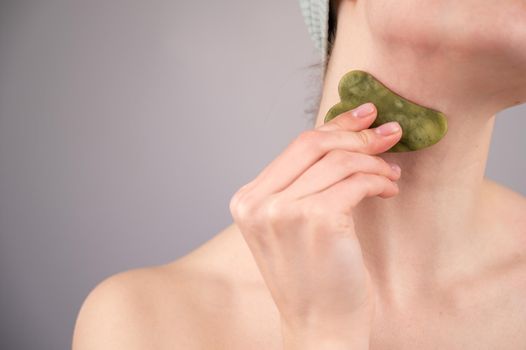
(176, 305)
(116, 312)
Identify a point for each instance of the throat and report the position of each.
(441, 226)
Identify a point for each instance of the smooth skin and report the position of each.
(330, 247)
(296, 217)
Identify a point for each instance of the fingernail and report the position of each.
(396, 168)
(388, 128)
(363, 110)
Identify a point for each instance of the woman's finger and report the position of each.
(335, 166)
(312, 145)
(347, 193)
(356, 119)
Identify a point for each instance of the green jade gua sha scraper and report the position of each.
(421, 126)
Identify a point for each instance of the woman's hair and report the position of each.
(332, 25)
(320, 67)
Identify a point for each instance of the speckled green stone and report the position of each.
(421, 126)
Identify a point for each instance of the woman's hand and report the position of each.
(296, 217)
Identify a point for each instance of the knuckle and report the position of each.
(232, 205)
(242, 205)
(310, 138)
(280, 214)
(364, 139)
(313, 209)
(274, 210)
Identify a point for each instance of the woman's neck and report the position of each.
(434, 229)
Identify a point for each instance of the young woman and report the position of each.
(332, 246)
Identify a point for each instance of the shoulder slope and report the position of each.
(147, 308)
(173, 303)
(117, 312)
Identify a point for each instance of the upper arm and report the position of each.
(114, 315)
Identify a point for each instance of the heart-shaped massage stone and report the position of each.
(421, 126)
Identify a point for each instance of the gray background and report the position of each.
(125, 128)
